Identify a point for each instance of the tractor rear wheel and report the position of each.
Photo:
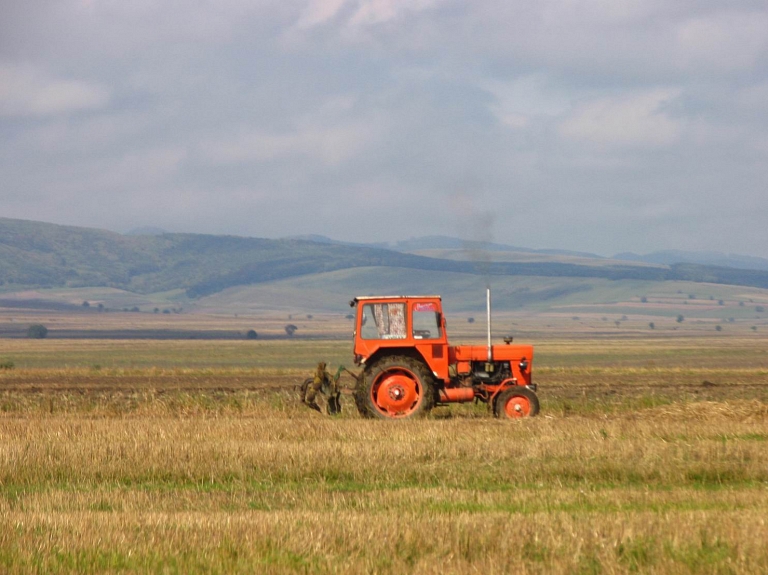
(516, 402)
(395, 387)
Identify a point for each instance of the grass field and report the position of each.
(650, 456)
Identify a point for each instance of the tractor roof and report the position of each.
(380, 297)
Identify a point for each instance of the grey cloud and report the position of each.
(601, 126)
(25, 91)
(633, 120)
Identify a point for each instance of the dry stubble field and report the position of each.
(651, 456)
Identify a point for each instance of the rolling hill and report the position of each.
(41, 255)
(669, 257)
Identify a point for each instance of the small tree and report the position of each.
(720, 302)
(100, 307)
(251, 334)
(759, 309)
(349, 316)
(309, 316)
(290, 329)
(652, 325)
(86, 304)
(470, 320)
(718, 328)
(644, 299)
(680, 318)
(37, 331)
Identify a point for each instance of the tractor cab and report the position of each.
(412, 325)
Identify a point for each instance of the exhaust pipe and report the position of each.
(488, 307)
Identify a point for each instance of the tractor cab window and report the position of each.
(426, 321)
(383, 321)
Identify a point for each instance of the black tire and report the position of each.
(516, 402)
(409, 389)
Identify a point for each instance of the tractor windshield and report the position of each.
(383, 321)
(426, 321)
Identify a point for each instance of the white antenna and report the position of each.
(488, 306)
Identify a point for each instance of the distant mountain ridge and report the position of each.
(444, 243)
(146, 231)
(36, 254)
(663, 257)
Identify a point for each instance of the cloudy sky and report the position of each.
(593, 125)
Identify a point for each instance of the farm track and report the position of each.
(155, 384)
(224, 384)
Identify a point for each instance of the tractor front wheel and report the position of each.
(516, 402)
(395, 387)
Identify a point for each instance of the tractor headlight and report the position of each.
(523, 365)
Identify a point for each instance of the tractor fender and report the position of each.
(411, 352)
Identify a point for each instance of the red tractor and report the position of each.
(409, 366)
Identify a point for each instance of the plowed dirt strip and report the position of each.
(595, 386)
(42, 382)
